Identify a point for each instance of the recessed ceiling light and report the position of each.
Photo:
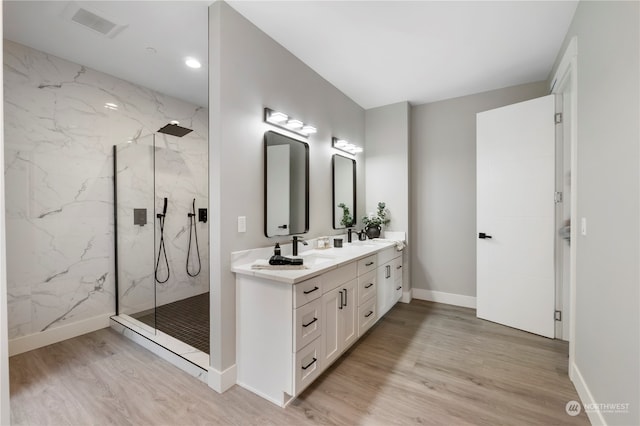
(192, 63)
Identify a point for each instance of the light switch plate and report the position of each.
(242, 224)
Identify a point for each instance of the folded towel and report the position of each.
(400, 245)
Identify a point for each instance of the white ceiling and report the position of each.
(175, 29)
(376, 52)
(382, 52)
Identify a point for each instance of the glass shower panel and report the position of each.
(181, 240)
(135, 227)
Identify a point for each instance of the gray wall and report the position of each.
(387, 174)
(387, 157)
(607, 324)
(443, 187)
(250, 71)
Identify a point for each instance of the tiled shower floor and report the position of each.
(186, 320)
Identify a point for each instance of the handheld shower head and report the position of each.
(164, 209)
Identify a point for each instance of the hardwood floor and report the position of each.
(424, 363)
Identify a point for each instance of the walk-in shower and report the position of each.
(160, 191)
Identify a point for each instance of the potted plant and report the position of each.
(347, 219)
(373, 221)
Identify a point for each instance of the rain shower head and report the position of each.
(175, 130)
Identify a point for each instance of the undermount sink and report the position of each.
(358, 243)
(315, 259)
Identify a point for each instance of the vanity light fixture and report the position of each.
(277, 117)
(346, 146)
(284, 121)
(111, 105)
(308, 130)
(294, 124)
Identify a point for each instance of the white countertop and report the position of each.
(321, 261)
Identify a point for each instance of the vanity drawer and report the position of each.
(341, 275)
(367, 264)
(366, 316)
(367, 286)
(306, 365)
(308, 324)
(307, 291)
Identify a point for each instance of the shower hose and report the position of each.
(162, 251)
(193, 230)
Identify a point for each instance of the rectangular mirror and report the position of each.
(344, 191)
(286, 185)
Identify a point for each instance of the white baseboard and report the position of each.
(221, 381)
(442, 297)
(586, 398)
(54, 335)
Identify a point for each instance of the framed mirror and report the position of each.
(344, 190)
(286, 185)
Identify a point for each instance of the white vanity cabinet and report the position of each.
(389, 279)
(339, 308)
(367, 293)
(291, 325)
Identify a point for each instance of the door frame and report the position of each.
(566, 77)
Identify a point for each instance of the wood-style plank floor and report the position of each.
(423, 363)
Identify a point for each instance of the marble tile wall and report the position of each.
(59, 185)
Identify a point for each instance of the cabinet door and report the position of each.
(331, 308)
(348, 316)
(385, 288)
(396, 266)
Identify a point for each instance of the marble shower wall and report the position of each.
(145, 169)
(59, 184)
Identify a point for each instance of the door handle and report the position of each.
(483, 236)
(340, 307)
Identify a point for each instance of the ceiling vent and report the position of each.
(92, 19)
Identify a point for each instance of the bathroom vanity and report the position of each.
(293, 324)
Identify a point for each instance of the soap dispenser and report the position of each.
(276, 250)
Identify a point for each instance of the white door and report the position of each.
(515, 215)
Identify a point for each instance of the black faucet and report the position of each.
(296, 240)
